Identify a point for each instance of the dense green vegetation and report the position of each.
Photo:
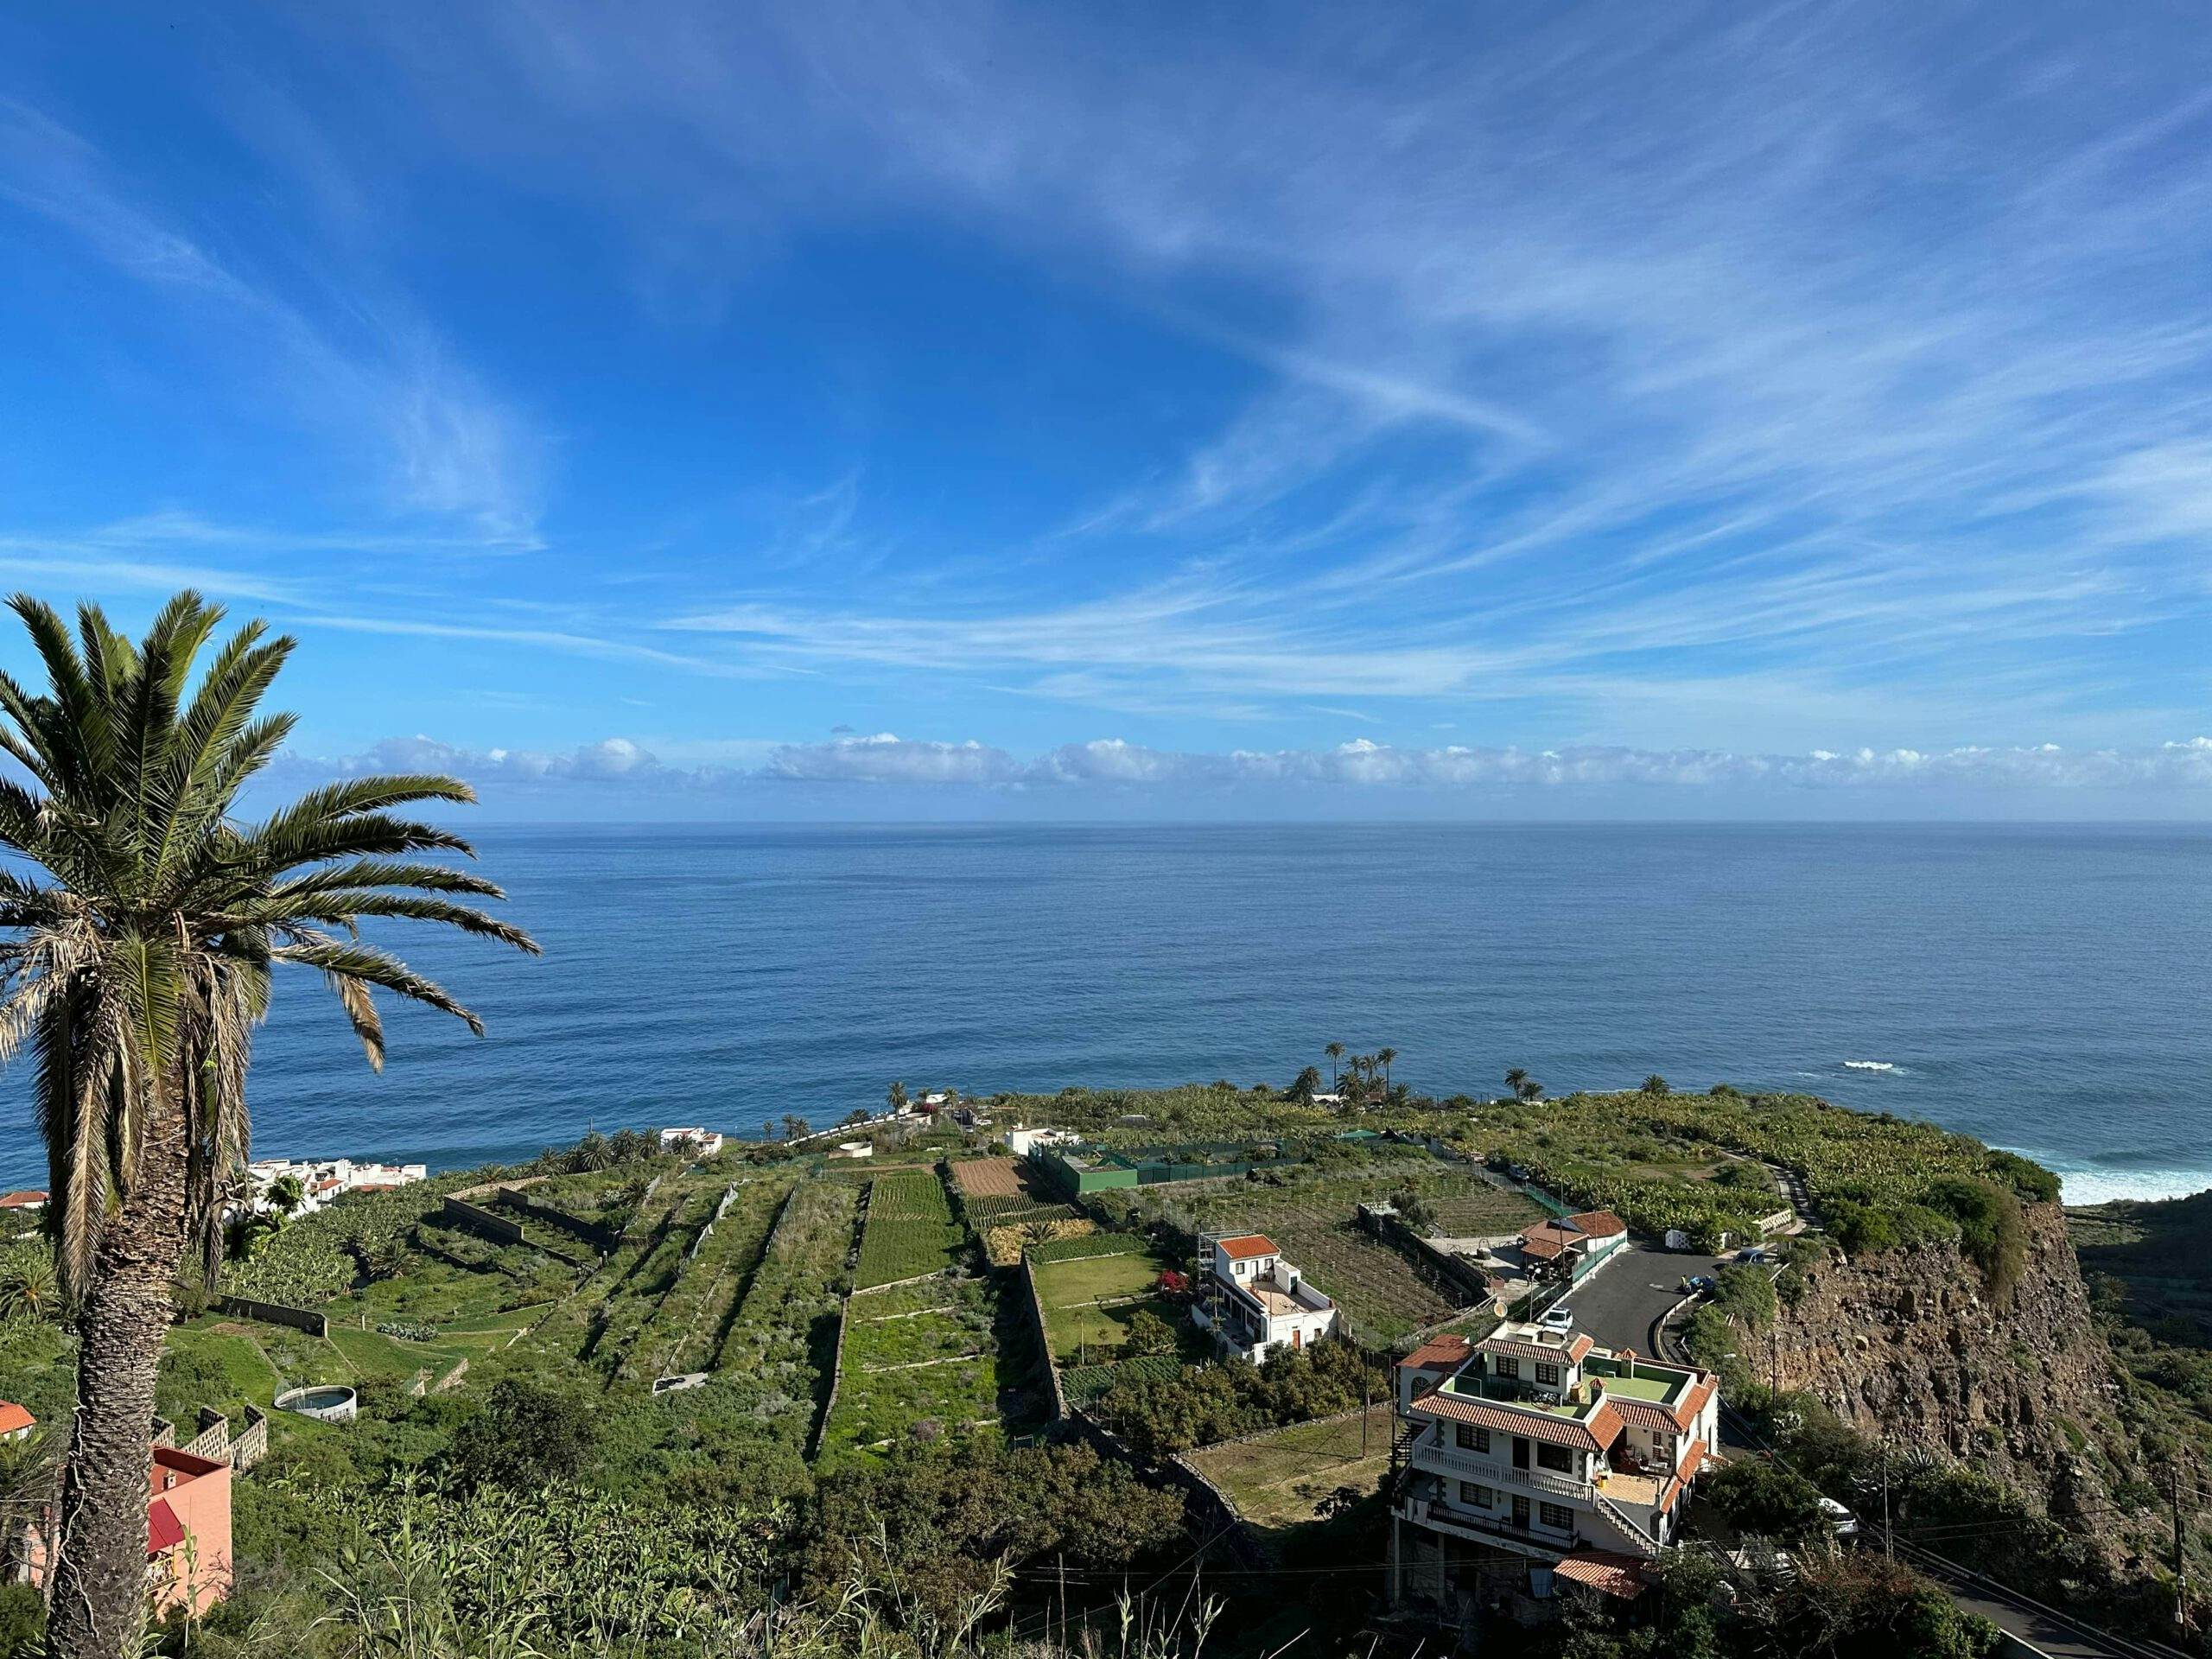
(1159, 1414)
(1664, 1160)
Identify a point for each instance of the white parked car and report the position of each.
(1845, 1523)
(1559, 1317)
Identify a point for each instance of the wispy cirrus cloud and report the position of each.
(1595, 343)
(369, 365)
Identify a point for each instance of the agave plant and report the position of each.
(138, 934)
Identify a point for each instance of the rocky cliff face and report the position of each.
(1911, 1347)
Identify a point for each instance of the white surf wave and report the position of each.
(1870, 1065)
(2079, 1184)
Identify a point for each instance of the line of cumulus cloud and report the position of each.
(886, 760)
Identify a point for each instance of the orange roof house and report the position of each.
(1246, 1246)
(187, 1531)
(29, 1199)
(14, 1421)
(188, 1565)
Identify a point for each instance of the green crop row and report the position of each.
(1084, 1383)
(1090, 1244)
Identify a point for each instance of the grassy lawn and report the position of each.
(1280, 1480)
(1094, 1336)
(1063, 1284)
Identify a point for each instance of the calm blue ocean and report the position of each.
(2047, 988)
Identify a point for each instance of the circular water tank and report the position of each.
(325, 1401)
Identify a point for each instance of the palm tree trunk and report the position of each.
(99, 1576)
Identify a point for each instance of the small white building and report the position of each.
(856, 1149)
(1020, 1141)
(1255, 1302)
(699, 1142)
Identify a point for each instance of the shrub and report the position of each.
(1758, 1496)
(1991, 1230)
(527, 1434)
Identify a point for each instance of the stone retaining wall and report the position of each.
(311, 1321)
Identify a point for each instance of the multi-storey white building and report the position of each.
(1255, 1302)
(1540, 1444)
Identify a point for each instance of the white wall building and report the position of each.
(1020, 1142)
(699, 1142)
(1540, 1443)
(1254, 1301)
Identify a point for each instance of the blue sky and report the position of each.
(818, 411)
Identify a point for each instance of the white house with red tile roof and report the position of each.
(1571, 1246)
(16, 1421)
(22, 1202)
(1540, 1443)
(1254, 1301)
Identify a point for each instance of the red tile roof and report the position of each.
(1542, 1245)
(1440, 1350)
(1677, 1419)
(1608, 1574)
(1573, 1352)
(1246, 1246)
(28, 1198)
(13, 1418)
(1599, 1224)
(1599, 1432)
(164, 1530)
(1683, 1471)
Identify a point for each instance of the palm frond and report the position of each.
(374, 967)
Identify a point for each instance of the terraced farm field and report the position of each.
(1280, 1480)
(782, 1345)
(909, 1230)
(1312, 1218)
(920, 1361)
(1091, 1301)
(686, 1330)
(1005, 1192)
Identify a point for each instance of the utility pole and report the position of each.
(1889, 1544)
(2181, 1569)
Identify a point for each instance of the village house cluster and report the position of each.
(321, 1179)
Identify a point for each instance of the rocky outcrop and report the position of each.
(1912, 1348)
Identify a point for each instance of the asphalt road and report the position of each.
(1617, 1303)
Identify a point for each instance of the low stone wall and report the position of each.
(251, 1446)
(313, 1322)
(591, 1232)
(213, 1439)
(461, 1213)
(836, 1376)
(1044, 1339)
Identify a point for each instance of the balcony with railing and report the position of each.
(1462, 1465)
(1439, 1511)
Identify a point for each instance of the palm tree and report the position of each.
(1383, 1057)
(1335, 1051)
(286, 1194)
(27, 1286)
(137, 936)
(894, 1097)
(1514, 1079)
